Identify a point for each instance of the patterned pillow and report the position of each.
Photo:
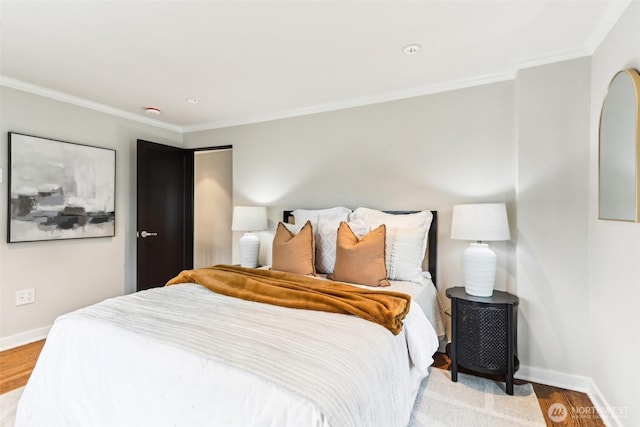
(360, 261)
(403, 254)
(325, 223)
(294, 253)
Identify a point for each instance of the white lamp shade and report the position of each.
(480, 222)
(249, 218)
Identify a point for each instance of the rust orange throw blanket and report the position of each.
(296, 291)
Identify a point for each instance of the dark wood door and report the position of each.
(165, 213)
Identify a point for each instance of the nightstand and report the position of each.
(484, 334)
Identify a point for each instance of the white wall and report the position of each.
(553, 211)
(614, 249)
(72, 273)
(427, 152)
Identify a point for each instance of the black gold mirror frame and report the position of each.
(619, 149)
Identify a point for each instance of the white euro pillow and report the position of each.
(375, 218)
(314, 215)
(406, 240)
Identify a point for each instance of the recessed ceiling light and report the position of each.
(152, 111)
(411, 49)
(192, 101)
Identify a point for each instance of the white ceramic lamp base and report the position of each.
(479, 270)
(249, 247)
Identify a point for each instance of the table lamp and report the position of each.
(249, 219)
(481, 222)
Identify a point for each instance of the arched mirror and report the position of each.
(619, 149)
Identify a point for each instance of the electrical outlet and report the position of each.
(25, 296)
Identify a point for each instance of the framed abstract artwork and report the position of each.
(59, 190)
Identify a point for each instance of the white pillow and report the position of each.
(374, 218)
(406, 240)
(325, 225)
(336, 214)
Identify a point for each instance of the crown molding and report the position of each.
(511, 74)
(551, 58)
(316, 109)
(607, 22)
(85, 103)
(356, 102)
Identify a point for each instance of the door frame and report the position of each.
(188, 205)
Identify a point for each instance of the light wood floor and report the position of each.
(16, 366)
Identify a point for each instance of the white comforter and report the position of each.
(185, 356)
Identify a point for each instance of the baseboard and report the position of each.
(576, 383)
(28, 337)
(554, 378)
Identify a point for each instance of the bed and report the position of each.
(185, 356)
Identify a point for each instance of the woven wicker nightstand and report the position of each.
(484, 334)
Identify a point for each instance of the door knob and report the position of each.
(145, 234)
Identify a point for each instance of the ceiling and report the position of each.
(246, 61)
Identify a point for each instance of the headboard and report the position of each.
(432, 239)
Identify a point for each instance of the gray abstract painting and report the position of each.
(59, 190)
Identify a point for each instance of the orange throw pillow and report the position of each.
(360, 261)
(294, 253)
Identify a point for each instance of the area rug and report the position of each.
(473, 401)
